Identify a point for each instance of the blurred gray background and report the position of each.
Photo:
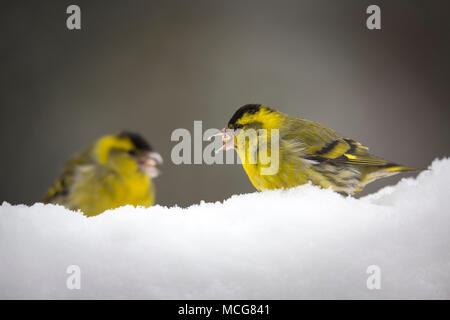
(153, 66)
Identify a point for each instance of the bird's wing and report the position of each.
(61, 186)
(323, 144)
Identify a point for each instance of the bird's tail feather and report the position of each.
(393, 167)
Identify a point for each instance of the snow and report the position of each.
(299, 243)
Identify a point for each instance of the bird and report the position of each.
(116, 170)
(308, 152)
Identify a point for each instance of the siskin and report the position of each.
(307, 151)
(116, 170)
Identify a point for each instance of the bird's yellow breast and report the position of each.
(95, 191)
(291, 170)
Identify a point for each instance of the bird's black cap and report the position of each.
(138, 141)
(248, 108)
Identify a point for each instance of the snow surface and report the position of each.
(299, 243)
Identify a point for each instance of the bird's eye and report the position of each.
(238, 126)
(132, 152)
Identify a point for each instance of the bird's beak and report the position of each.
(148, 162)
(227, 139)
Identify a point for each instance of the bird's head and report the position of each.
(126, 152)
(250, 116)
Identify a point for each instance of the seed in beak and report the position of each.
(227, 139)
(148, 163)
(155, 157)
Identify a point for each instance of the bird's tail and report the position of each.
(393, 167)
(387, 170)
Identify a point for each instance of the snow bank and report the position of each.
(301, 243)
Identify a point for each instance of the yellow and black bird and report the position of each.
(116, 170)
(308, 151)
